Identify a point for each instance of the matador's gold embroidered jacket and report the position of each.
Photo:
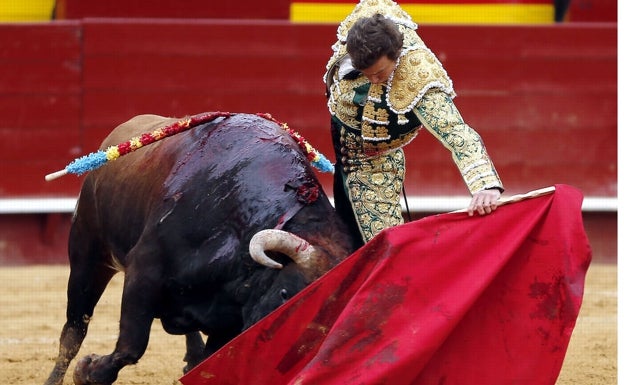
(375, 121)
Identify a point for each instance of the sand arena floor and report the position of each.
(32, 311)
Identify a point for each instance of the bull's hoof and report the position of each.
(84, 369)
(191, 362)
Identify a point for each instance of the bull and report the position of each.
(213, 228)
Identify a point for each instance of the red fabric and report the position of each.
(448, 299)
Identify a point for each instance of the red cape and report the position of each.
(448, 299)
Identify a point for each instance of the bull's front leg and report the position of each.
(85, 286)
(137, 314)
(194, 351)
(71, 338)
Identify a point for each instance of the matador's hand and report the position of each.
(484, 202)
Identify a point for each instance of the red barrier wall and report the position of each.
(543, 98)
(40, 105)
(593, 11)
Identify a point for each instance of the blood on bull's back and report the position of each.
(178, 217)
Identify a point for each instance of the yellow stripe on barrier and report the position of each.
(26, 10)
(434, 13)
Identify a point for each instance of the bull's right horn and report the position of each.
(298, 249)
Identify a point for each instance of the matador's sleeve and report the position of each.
(437, 112)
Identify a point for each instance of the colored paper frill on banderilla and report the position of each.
(449, 299)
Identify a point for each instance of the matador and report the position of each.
(372, 122)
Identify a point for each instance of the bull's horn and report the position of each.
(298, 249)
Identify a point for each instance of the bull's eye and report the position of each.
(284, 294)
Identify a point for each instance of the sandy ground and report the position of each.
(32, 308)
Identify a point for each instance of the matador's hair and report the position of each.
(371, 38)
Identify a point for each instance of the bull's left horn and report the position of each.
(298, 249)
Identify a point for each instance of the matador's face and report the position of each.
(380, 71)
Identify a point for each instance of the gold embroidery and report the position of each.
(375, 92)
(382, 115)
(341, 101)
(367, 130)
(369, 111)
(439, 114)
(375, 115)
(418, 71)
(382, 133)
(410, 37)
(374, 190)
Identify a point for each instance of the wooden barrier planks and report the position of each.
(542, 97)
(176, 68)
(40, 103)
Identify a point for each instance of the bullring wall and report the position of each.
(542, 97)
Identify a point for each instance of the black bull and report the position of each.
(177, 218)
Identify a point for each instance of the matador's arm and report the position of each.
(437, 112)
